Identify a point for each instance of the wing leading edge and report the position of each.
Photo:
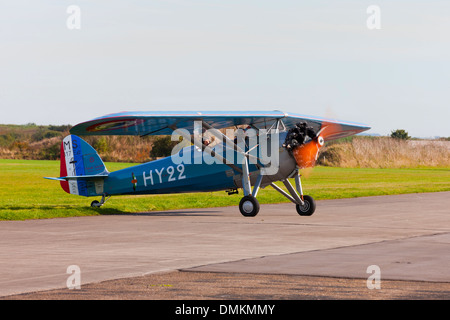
(163, 123)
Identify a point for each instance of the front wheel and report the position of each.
(308, 208)
(249, 206)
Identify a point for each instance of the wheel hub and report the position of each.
(304, 207)
(247, 206)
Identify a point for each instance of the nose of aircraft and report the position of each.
(306, 154)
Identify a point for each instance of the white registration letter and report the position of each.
(150, 177)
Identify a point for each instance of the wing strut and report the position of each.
(245, 172)
(228, 142)
(207, 149)
(246, 183)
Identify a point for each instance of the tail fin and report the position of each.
(78, 160)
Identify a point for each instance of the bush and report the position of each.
(19, 145)
(331, 155)
(7, 139)
(400, 134)
(162, 147)
(42, 134)
(51, 152)
(101, 145)
(61, 128)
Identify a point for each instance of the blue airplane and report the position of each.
(219, 150)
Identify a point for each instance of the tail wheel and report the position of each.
(95, 204)
(249, 206)
(308, 208)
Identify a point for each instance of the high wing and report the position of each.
(164, 122)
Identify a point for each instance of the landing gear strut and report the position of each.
(305, 205)
(96, 204)
(249, 206)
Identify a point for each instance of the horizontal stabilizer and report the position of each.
(77, 177)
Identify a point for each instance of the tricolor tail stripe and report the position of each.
(63, 169)
(72, 165)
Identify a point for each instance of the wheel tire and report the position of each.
(95, 204)
(308, 208)
(249, 206)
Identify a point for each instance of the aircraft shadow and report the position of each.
(172, 213)
(106, 211)
(64, 207)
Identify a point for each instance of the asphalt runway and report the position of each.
(186, 254)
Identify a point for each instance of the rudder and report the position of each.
(78, 159)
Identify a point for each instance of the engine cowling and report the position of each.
(306, 154)
(304, 144)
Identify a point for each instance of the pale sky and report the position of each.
(309, 57)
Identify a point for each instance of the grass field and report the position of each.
(24, 194)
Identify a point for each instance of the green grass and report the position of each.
(24, 194)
